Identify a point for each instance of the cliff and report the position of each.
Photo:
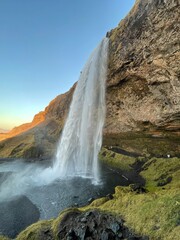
(38, 118)
(38, 139)
(143, 89)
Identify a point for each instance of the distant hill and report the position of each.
(38, 138)
(38, 118)
(3, 130)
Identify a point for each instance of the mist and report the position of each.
(18, 177)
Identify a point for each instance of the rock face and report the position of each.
(143, 87)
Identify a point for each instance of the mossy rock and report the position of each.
(145, 144)
(158, 211)
(161, 172)
(37, 231)
(116, 160)
(32, 152)
(59, 219)
(4, 238)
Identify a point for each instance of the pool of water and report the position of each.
(44, 198)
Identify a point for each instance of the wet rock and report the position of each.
(76, 205)
(104, 154)
(110, 196)
(104, 235)
(93, 225)
(164, 181)
(90, 200)
(84, 220)
(76, 197)
(119, 235)
(114, 227)
(87, 214)
(137, 188)
(113, 155)
(71, 235)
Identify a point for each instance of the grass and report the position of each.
(150, 214)
(36, 231)
(14, 147)
(4, 238)
(145, 144)
(42, 230)
(116, 160)
(162, 172)
(155, 213)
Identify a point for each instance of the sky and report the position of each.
(43, 47)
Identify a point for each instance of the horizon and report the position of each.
(43, 49)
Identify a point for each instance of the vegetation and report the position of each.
(3, 238)
(145, 144)
(39, 230)
(153, 213)
(116, 160)
(161, 173)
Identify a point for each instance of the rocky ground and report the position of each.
(78, 225)
(93, 224)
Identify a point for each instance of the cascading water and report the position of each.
(81, 139)
(80, 143)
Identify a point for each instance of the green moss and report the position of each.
(37, 231)
(4, 238)
(58, 220)
(151, 214)
(161, 172)
(144, 143)
(154, 214)
(116, 160)
(95, 204)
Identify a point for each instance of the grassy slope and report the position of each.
(153, 214)
(3, 238)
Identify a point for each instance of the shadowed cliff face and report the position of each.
(143, 86)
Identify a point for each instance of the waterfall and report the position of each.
(81, 139)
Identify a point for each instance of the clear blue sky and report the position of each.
(43, 47)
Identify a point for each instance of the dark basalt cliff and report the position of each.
(143, 87)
